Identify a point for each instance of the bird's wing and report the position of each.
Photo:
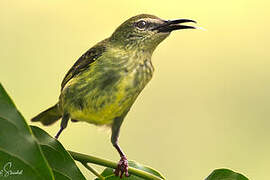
(84, 62)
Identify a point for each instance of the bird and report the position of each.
(102, 85)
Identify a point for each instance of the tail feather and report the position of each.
(48, 116)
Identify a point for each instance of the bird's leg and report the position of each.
(122, 167)
(64, 123)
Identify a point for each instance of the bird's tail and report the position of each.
(48, 116)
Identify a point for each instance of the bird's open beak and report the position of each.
(171, 25)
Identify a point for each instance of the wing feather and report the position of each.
(84, 62)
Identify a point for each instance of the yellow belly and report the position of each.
(100, 106)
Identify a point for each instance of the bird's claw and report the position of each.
(122, 167)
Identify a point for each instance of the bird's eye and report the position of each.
(141, 24)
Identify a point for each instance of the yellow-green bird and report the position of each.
(102, 85)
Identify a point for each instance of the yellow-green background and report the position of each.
(207, 106)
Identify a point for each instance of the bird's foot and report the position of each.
(122, 167)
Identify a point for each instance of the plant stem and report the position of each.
(103, 162)
(92, 170)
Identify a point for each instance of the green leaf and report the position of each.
(225, 174)
(64, 167)
(20, 155)
(108, 173)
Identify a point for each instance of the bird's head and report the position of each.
(146, 31)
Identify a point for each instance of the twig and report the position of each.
(92, 170)
(103, 162)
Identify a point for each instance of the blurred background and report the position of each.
(207, 106)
